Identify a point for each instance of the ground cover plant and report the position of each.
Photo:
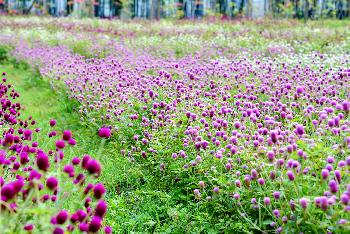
(212, 127)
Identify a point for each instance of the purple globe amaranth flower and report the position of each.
(8, 140)
(18, 185)
(67, 135)
(303, 203)
(247, 180)
(276, 195)
(333, 186)
(104, 132)
(68, 169)
(201, 184)
(337, 174)
(276, 213)
(343, 221)
(8, 192)
(93, 166)
(95, 224)
(51, 183)
(292, 205)
(42, 161)
(81, 214)
(85, 160)
(84, 227)
(52, 122)
(196, 192)
(101, 209)
(27, 134)
(279, 230)
(28, 227)
(345, 198)
(58, 230)
(74, 218)
(300, 129)
(75, 161)
(291, 175)
(346, 106)
(99, 190)
(324, 173)
(300, 89)
(216, 190)
(270, 155)
(62, 217)
(261, 181)
(108, 230)
(72, 141)
(24, 158)
(60, 144)
(267, 201)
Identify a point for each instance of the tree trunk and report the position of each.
(306, 10)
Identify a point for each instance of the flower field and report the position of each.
(183, 127)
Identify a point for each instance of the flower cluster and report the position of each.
(37, 181)
(263, 137)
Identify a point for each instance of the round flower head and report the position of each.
(300, 89)
(67, 135)
(81, 214)
(108, 230)
(276, 195)
(270, 155)
(18, 185)
(345, 198)
(8, 191)
(51, 183)
(93, 166)
(267, 201)
(60, 144)
(201, 184)
(290, 175)
(99, 190)
(276, 213)
(216, 190)
(261, 181)
(333, 186)
(324, 173)
(75, 161)
(104, 132)
(72, 141)
(28, 227)
(196, 192)
(303, 203)
(58, 230)
(52, 122)
(84, 227)
(85, 160)
(42, 161)
(62, 217)
(101, 209)
(24, 158)
(95, 224)
(69, 169)
(300, 129)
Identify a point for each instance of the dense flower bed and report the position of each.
(36, 183)
(264, 139)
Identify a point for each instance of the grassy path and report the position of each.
(136, 203)
(41, 102)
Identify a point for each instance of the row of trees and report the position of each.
(155, 9)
